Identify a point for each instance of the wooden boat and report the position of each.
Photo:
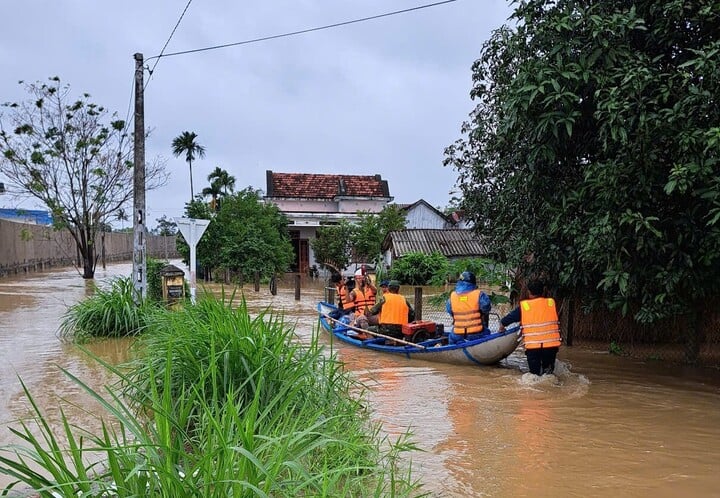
(487, 350)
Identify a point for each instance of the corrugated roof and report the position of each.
(321, 186)
(451, 243)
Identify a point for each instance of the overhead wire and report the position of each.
(303, 31)
(151, 71)
(128, 121)
(264, 38)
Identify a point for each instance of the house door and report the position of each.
(303, 256)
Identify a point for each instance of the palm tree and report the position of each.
(185, 144)
(121, 216)
(224, 179)
(213, 191)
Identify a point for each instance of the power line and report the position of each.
(166, 43)
(303, 31)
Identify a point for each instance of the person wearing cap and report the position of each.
(540, 328)
(470, 308)
(363, 298)
(392, 311)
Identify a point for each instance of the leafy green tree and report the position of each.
(369, 233)
(332, 247)
(186, 144)
(165, 226)
(73, 156)
(591, 157)
(253, 236)
(417, 268)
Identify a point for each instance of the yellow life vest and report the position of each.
(539, 322)
(467, 318)
(394, 310)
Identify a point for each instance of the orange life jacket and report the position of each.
(394, 310)
(467, 318)
(344, 297)
(539, 322)
(363, 300)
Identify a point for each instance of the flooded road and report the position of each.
(605, 426)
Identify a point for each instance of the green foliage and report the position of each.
(186, 144)
(417, 268)
(369, 233)
(335, 246)
(332, 245)
(73, 157)
(615, 349)
(245, 236)
(251, 414)
(165, 226)
(110, 312)
(154, 280)
(591, 157)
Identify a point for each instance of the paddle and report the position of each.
(357, 329)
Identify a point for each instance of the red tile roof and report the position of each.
(317, 186)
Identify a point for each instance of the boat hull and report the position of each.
(487, 350)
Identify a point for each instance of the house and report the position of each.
(421, 214)
(312, 200)
(452, 243)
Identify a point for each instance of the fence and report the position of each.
(27, 247)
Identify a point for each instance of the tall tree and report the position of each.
(221, 185)
(185, 144)
(213, 191)
(592, 154)
(224, 180)
(166, 226)
(246, 236)
(74, 157)
(369, 233)
(332, 245)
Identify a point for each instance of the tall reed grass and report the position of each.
(217, 403)
(109, 312)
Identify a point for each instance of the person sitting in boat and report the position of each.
(392, 311)
(345, 304)
(363, 298)
(384, 286)
(470, 309)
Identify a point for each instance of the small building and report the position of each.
(35, 217)
(421, 214)
(455, 243)
(313, 200)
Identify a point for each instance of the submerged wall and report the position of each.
(26, 247)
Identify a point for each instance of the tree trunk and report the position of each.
(88, 261)
(192, 195)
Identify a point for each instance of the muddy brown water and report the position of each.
(604, 426)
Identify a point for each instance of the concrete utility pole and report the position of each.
(139, 239)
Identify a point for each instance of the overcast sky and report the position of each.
(379, 97)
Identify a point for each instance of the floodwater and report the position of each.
(604, 426)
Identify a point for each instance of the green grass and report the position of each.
(108, 313)
(218, 403)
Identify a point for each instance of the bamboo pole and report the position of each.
(364, 331)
